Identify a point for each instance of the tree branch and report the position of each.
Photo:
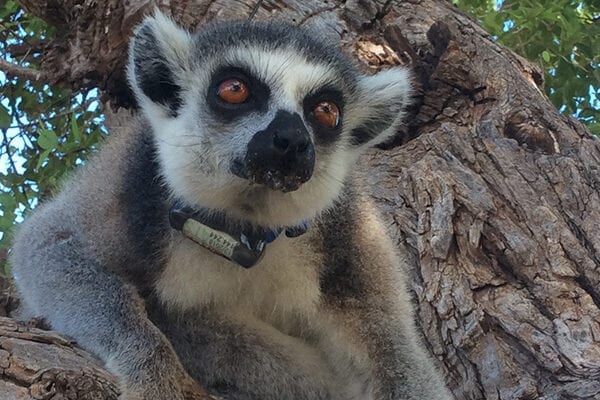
(34, 75)
(25, 48)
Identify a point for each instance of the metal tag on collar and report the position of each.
(244, 251)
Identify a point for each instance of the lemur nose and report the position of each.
(282, 156)
(291, 141)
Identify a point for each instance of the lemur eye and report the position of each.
(233, 91)
(327, 114)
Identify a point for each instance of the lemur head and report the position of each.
(261, 120)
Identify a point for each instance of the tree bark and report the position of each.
(38, 364)
(488, 190)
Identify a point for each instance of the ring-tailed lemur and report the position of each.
(226, 238)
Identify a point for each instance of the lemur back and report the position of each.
(225, 240)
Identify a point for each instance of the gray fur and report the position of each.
(322, 316)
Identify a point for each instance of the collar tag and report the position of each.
(240, 251)
(246, 250)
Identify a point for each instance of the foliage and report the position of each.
(46, 130)
(563, 36)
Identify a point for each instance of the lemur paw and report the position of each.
(192, 391)
(186, 391)
(172, 383)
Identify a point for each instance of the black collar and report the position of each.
(238, 241)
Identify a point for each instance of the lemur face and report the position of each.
(260, 120)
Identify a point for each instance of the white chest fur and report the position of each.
(281, 291)
(284, 283)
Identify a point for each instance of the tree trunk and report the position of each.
(491, 193)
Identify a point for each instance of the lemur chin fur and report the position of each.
(255, 127)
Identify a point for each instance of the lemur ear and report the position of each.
(159, 53)
(380, 105)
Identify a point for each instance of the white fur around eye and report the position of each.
(196, 148)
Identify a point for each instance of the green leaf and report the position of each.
(6, 223)
(47, 139)
(546, 56)
(10, 7)
(75, 127)
(42, 158)
(8, 202)
(5, 118)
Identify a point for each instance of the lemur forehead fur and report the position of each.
(175, 76)
(254, 127)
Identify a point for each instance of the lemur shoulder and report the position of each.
(226, 238)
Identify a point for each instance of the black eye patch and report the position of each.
(323, 134)
(258, 94)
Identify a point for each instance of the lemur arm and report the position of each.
(59, 272)
(244, 358)
(371, 332)
(380, 350)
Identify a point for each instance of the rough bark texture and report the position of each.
(38, 364)
(491, 191)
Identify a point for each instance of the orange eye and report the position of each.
(327, 114)
(233, 91)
